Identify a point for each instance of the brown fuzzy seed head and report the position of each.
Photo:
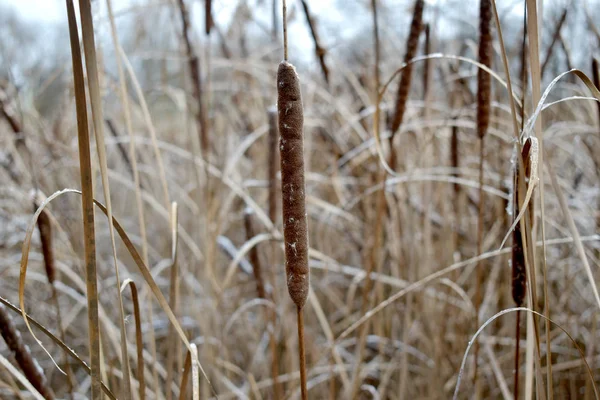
(484, 80)
(22, 354)
(45, 228)
(596, 80)
(295, 230)
(519, 279)
(411, 50)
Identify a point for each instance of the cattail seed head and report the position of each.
(295, 231)
(45, 228)
(31, 369)
(411, 50)
(596, 80)
(484, 80)
(519, 279)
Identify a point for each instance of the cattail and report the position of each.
(411, 50)
(194, 70)
(518, 257)
(519, 278)
(596, 80)
(208, 21)
(426, 64)
(28, 364)
(291, 121)
(454, 159)
(484, 80)
(45, 229)
(483, 119)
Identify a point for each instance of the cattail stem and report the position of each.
(285, 41)
(194, 70)
(301, 354)
(555, 38)
(517, 365)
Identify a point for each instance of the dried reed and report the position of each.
(87, 204)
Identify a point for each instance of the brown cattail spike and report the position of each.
(45, 228)
(484, 80)
(27, 363)
(208, 21)
(411, 51)
(518, 257)
(295, 232)
(596, 80)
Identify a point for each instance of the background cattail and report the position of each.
(31, 369)
(208, 22)
(519, 280)
(484, 80)
(320, 51)
(596, 80)
(295, 232)
(411, 50)
(45, 228)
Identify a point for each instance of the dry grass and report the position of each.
(401, 224)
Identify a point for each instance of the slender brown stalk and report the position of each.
(484, 96)
(113, 131)
(295, 225)
(28, 364)
(87, 205)
(555, 38)
(302, 354)
(319, 50)
(196, 79)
